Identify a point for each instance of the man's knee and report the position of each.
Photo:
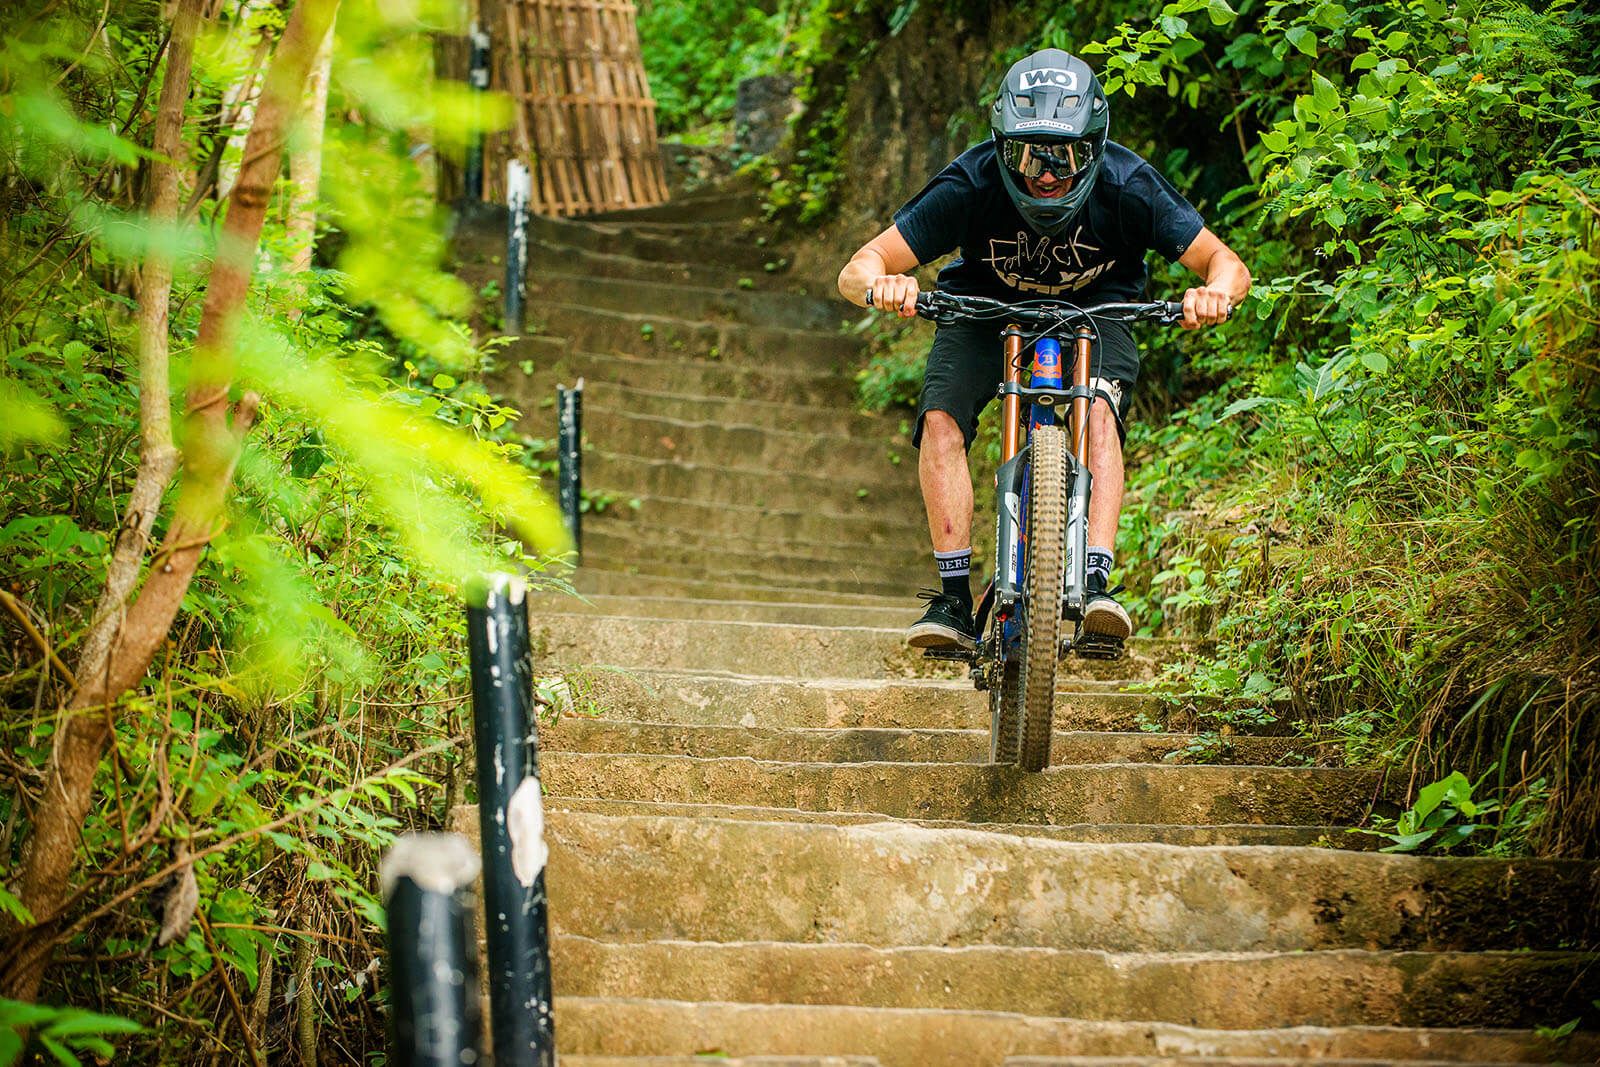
(941, 436)
(1104, 430)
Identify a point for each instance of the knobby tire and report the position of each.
(1044, 578)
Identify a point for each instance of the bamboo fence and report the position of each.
(583, 119)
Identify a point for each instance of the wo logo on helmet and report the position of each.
(1050, 76)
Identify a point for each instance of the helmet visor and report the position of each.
(1031, 159)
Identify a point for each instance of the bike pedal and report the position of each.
(1098, 646)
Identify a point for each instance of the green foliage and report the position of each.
(695, 55)
(309, 703)
(62, 1032)
(1441, 818)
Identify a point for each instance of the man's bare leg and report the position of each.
(947, 495)
(946, 482)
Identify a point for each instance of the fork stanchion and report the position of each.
(433, 999)
(569, 446)
(519, 191)
(478, 78)
(511, 824)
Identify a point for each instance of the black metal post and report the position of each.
(433, 981)
(478, 78)
(510, 818)
(569, 446)
(519, 190)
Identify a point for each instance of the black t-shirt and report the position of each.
(1131, 210)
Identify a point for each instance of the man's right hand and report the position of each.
(896, 293)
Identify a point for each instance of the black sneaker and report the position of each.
(947, 624)
(1103, 616)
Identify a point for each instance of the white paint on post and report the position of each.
(480, 43)
(525, 826)
(438, 863)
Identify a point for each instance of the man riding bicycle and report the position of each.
(1047, 208)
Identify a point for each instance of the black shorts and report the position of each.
(965, 370)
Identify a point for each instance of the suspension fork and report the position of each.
(1075, 595)
(1008, 481)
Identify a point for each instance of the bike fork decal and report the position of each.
(1013, 505)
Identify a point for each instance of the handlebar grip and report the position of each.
(1175, 309)
(869, 298)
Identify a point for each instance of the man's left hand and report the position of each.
(1205, 306)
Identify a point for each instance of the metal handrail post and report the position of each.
(511, 824)
(433, 982)
(519, 191)
(478, 78)
(569, 467)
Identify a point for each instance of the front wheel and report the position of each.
(1043, 577)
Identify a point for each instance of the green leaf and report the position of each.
(1407, 842)
(1430, 796)
(1220, 11)
(1376, 362)
(62, 1054)
(1249, 403)
(443, 381)
(1324, 94)
(1302, 39)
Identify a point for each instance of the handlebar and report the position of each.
(946, 308)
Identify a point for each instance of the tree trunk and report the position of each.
(305, 162)
(157, 456)
(210, 449)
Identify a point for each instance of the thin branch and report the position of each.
(21, 615)
(227, 985)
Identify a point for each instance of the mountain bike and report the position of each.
(1042, 492)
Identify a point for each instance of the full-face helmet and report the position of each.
(1051, 117)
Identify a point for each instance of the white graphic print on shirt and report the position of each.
(1044, 265)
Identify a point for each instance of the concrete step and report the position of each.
(801, 651)
(689, 551)
(553, 359)
(723, 303)
(695, 698)
(801, 524)
(1087, 833)
(599, 581)
(736, 203)
(667, 337)
(867, 745)
(1238, 991)
(693, 232)
(549, 257)
(750, 485)
(719, 1061)
(970, 1038)
(765, 572)
(893, 884)
(732, 250)
(666, 607)
(1061, 795)
(1218, 1061)
(874, 463)
(614, 398)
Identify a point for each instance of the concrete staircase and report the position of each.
(772, 834)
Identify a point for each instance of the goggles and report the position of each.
(1030, 159)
